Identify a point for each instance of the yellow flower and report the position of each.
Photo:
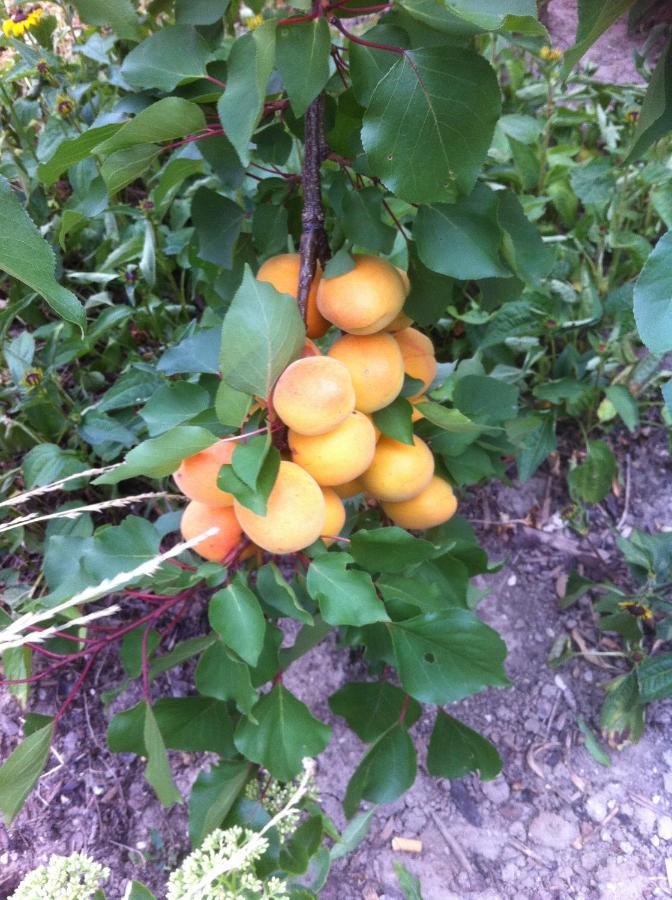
(550, 54)
(639, 610)
(21, 20)
(253, 22)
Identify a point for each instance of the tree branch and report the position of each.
(314, 246)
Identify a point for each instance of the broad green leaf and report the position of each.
(255, 498)
(200, 12)
(296, 853)
(655, 118)
(385, 773)
(368, 65)
(199, 352)
(217, 221)
(486, 399)
(302, 57)
(430, 122)
(172, 404)
(395, 420)
(231, 406)
(169, 118)
(455, 750)
(171, 55)
(130, 650)
(124, 166)
(249, 67)
(523, 249)
(190, 724)
(362, 222)
(591, 481)
(236, 616)
(430, 292)
(46, 463)
(346, 596)
(248, 459)
(462, 239)
(593, 746)
(213, 794)
(654, 675)
(452, 420)
(119, 548)
(261, 335)
(625, 405)
(409, 883)
(595, 16)
(518, 15)
(137, 891)
(653, 298)
(353, 834)
(623, 711)
(21, 770)
(445, 657)
(118, 14)
(389, 549)
(372, 707)
(26, 256)
(73, 150)
(157, 770)
(534, 435)
(278, 594)
(161, 455)
(285, 732)
(222, 675)
(270, 229)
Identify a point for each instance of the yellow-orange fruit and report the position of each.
(314, 395)
(399, 471)
(434, 505)
(416, 415)
(349, 489)
(375, 427)
(376, 366)
(339, 455)
(283, 273)
(363, 300)
(399, 323)
(295, 513)
(334, 518)
(419, 360)
(197, 475)
(197, 518)
(403, 274)
(310, 349)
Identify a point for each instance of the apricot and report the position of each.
(419, 360)
(399, 471)
(349, 489)
(314, 395)
(310, 349)
(334, 518)
(197, 476)
(295, 513)
(376, 366)
(283, 273)
(399, 323)
(434, 505)
(363, 300)
(403, 274)
(339, 455)
(198, 517)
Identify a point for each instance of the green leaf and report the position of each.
(463, 239)
(353, 834)
(362, 221)
(171, 55)
(385, 773)
(409, 883)
(655, 117)
(130, 650)
(172, 404)
(595, 16)
(445, 657)
(200, 12)
(231, 406)
(137, 891)
(654, 675)
(285, 732)
(534, 435)
(593, 746)
(26, 256)
(248, 459)
(623, 712)
(74, 150)
(235, 614)
(162, 455)
(46, 463)
(591, 481)
(524, 250)
(261, 335)
(296, 853)
(179, 654)
(213, 794)
(346, 596)
(217, 221)
(222, 675)
(277, 593)
(157, 770)
(118, 14)
(390, 549)
(430, 292)
(250, 65)
(368, 65)
(255, 498)
(199, 352)
(372, 707)
(164, 120)
(455, 750)
(430, 122)
(190, 724)
(124, 166)
(395, 420)
(22, 768)
(302, 57)
(625, 405)
(341, 262)
(486, 399)
(653, 298)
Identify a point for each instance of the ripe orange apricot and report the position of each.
(434, 505)
(310, 349)
(363, 300)
(376, 367)
(349, 489)
(295, 513)
(403, 274)
(283, 273)
(419, 360)
(197, 475)
(339, 455)
(399, 323)
(334, 518)
(198, 517)
(399, 471)
(314, 395)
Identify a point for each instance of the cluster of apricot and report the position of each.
(327, 402)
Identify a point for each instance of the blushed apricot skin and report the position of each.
(399, 323)
(283, 273)
(197, 518)
(338, 456)
(314, 395)
(433, 506)
(334, 518)
(295, 513)
(349, 489)
(310, 349)
(376, 367)
(197, 476)
(419, 360)
(363, 300)
(399, 471)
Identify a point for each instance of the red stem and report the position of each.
(74, 690)
(404, 707)
(145, 665)
(216, 81)
(357, 40)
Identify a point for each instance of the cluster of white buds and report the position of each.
(275, 797)
(75, 877)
